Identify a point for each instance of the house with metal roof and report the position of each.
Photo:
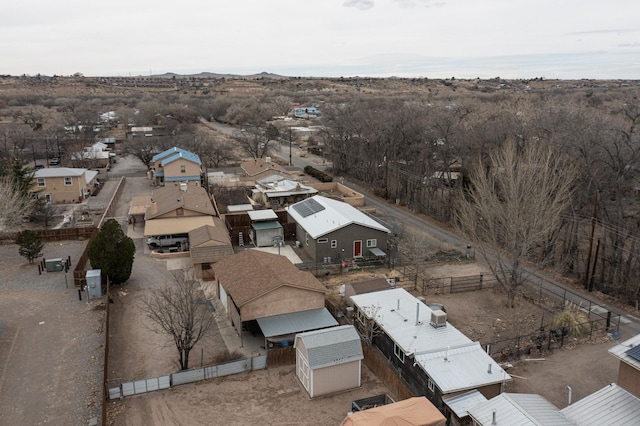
(628, 352)
(176, 165)
(515, 409)
(611, 405)
(329, 230)
(63, 185)
(329, 360)
(433, 357)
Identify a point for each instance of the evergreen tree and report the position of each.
(112, 252)
(30, 245)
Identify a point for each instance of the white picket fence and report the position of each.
(189, 376)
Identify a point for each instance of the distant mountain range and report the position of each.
(263, 74)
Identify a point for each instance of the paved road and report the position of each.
(398, 219)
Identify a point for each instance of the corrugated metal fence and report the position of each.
(189, 376)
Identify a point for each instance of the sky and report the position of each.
(465, 39)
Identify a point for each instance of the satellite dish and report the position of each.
(615, 334)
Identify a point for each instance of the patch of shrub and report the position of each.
(318, 174)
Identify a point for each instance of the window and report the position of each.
(334, 243)
(431, 385)
(41, 182)
(323, 240)
(180, 211)
(206, 266)
(67, 181)
(183, 169)
(372, 243)
(398, 352)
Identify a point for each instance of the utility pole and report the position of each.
(593, 228)
(290, 146)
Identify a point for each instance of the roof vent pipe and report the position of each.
(493, 418)
(398, 308)
(489, 370)
(569, 389)
(418, 313)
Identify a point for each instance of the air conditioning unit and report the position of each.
(438, 319)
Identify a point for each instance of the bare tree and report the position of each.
(515, 202)
(15, 207)
(177, 308)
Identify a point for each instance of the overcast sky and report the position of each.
(566, 39)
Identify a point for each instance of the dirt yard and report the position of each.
(51, 366)
(265, 396)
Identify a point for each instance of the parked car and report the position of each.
(168, 240)
(54, 161)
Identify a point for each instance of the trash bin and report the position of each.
(54, 265)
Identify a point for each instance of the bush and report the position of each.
(573, 320)
(318, 174)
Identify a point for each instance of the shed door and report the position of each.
(303, 371)
(357, 249)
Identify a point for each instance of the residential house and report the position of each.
(176, 165)
(207, 245)
(515, 409)
(259, 168)
(254, 285)
(331, 230)
(612, 405)
(416, 411)
(329, 360)
(305, 112)
(433, 358)
(178, 209)
(276, 191)
(96, 156)
(615, 404)
(628, 352)
(62, 185)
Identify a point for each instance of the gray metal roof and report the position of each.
(331, 346)
(461, 368)
(513, 409)
(296, 322)
(461, 403)
(267, 214)
(611, 405)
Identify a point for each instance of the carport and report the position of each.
(280, 330)
(180, 225)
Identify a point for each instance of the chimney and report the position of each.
(569, 389)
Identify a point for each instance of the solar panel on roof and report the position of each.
(308, 207)
(634, 352)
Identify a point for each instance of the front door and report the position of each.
(357, 249)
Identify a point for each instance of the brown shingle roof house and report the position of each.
(254, 284)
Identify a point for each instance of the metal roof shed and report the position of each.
(329, 360)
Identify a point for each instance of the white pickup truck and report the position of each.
(168, 240)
